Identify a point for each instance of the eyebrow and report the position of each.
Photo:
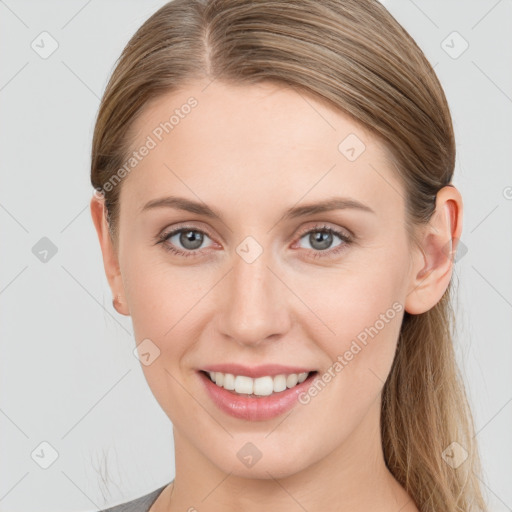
(181, 203)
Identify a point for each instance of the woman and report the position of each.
(275, 211)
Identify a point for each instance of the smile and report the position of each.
(255, 399)
(262, 386)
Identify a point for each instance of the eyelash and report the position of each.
(163, 238)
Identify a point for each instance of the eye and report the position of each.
(320, 240)
(189, 238)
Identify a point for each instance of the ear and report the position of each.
(110, 259)
(432, 265)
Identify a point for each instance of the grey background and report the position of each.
(68, 376)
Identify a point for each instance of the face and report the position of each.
(255, 285)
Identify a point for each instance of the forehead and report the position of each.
(246, 143)
(223, 112)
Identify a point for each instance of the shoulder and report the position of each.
(141, 504)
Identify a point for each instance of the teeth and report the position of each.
(262, 386)
(243, 384)
(302, 377)
(279, 383)
(229, 382)
(292, 380)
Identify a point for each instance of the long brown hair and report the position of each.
(355, 55)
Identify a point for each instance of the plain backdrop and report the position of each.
(73, 396)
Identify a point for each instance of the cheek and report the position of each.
(164, 304)
(162, 297)
(363, 312)
(367, 324)
(364, 347)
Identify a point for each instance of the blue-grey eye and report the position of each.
(321, 240)
(189, 239)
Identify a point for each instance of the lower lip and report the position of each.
(255, 408)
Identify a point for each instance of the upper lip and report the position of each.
(256, 371)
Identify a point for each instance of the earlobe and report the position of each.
(110, 259)
(432, 266)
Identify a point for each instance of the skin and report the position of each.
(250, 153)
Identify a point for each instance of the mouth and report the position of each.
(255, 399)
(263, 386)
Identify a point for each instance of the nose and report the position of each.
(252, 303)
